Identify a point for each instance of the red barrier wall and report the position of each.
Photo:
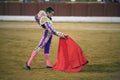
(79, 9)
(62, 9)
(12, 9)
(118, 9)
(111, 9)
(28, 8)
(95, 9)
(1, 8)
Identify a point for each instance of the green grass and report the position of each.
(99, 41)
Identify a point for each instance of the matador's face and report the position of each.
(50, 14)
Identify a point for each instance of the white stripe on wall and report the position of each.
(64, 19)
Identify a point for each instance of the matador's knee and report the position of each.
(37, 49)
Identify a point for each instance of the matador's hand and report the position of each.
(60, 34)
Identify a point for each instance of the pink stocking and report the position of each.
(47, 59)
(34, 53)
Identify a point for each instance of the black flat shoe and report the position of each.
(48, 66)
(27, 67)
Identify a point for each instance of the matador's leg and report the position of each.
(42, 43)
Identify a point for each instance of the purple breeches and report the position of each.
(46, 41)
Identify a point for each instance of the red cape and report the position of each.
(70, 57)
